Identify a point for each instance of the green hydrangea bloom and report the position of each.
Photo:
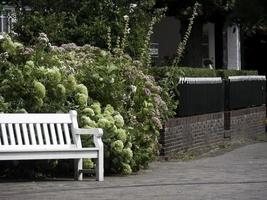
(71, 83)
(127, 154)
(54, 75)
(96, 107)
(109, 110)
(88, 164)
(129, 145)
(89, 112)
(88, 122)
(82, 89)
(126, 169)
(39, 102)
(103, 123)
(113, 128)
(110, 119)
(61, 90)
(81, 99)
(8, 45)
(30, 63)
(18, 45)
(21, 110)
(119, 122)
(117, 146)
(121, 135)
(39, 89)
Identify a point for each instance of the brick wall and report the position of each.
(247, 122)
(200, 131)
(187, 133)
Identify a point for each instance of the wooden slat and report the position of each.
(67, 133)
(34, 118)
(11, 134)
(4, 134)
(39, 134)
(32, 134)
(18, 134)
(53, 134)
(60, 134)
(25, 134)
(46, 134)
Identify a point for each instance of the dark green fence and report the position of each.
(209, 95)
(244, 91)
(200, 95)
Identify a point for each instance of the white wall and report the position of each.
(233, 48)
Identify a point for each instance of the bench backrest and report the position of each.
(29, 131)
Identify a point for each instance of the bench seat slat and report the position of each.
(18, 134)
(4, 134)
(53, 134)
(32, 134)
(25, 134)
(34, 118)
(39, 134)
(67, 133)
(60, 134)
(46, 134)
(11, 134)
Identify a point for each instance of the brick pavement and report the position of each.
(239, 174)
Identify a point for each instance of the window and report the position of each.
(6, 20)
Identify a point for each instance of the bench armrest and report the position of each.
(98, 132)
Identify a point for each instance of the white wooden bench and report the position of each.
(49, 136)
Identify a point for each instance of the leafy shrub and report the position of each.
(108, 91)
(201, 72)
(226, 73)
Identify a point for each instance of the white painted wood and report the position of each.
(76, 138)
(34, 118)
(67, 134)
(247, 78)
(25, 134)
(86, 131)
(53, 134)
(39, 134)
(60, 134)
(200, 80)
(18, 134)
(78, 165)
(100, 160)
(4, 134)
(11, 134)
(32, 134)
(46, 134)
(37, 140)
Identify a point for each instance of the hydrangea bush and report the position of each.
(108, 90)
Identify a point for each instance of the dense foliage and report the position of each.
(160, 72)
(84, 22)
(108, 91)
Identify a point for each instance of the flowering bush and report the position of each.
(47, 78)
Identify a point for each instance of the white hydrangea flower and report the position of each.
(133, 88)
(132, 7)
(126, 17)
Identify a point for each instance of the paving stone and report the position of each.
(239, 174)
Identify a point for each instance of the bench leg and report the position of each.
(100, 166)
(78, 165)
